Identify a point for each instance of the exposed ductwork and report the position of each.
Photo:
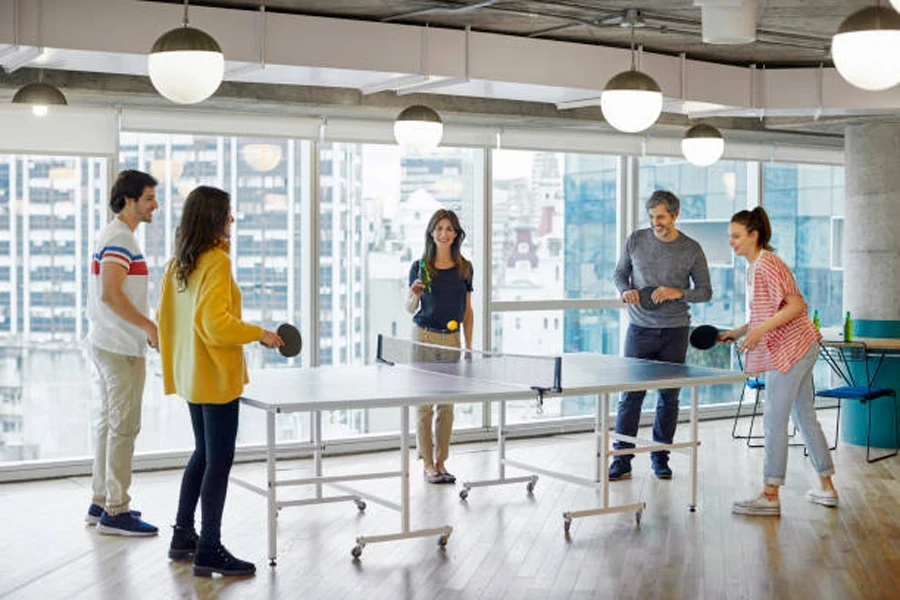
(728, 22)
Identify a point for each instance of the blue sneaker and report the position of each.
(619, 469)
(661, 468)
(95, 511)
(125, 524)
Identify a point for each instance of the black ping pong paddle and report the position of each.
(646, 295)
(291, 338)
(704, 337)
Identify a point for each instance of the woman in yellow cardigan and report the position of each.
(201, 335)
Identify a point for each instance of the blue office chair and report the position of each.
(839, 358)
(757, 385)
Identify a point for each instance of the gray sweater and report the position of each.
(647, 261)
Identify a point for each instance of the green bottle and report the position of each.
(424, 275)
(848, 328)
(816, 323)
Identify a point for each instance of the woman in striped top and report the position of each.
(781, 342)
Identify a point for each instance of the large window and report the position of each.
(50, 208)
(554, 238)
(805, 204)
(375, 203)
(554, 225)
(709, 196)
(263, 177)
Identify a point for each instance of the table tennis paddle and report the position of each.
(291, 338)
(646, 298)
(704, 337)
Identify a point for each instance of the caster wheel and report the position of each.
(356, 552)
(567, 524)
(360, 505)
(637, 517)
(529, 487)
(442, 541)
(463, 494)
(693, 509)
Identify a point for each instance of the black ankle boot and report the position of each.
(184, 543)
(219, 560)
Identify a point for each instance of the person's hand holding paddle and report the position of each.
(664, 294)
(270, 339)
(631, 297)
(727, 337)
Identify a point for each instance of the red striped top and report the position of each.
(770, 282)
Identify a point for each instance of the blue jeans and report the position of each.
(667, 345)
(791, 394)
(205, 477)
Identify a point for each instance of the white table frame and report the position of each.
(489, 391)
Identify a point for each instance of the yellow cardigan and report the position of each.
(201, 333)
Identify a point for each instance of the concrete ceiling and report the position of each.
(790, 33)
(487, 63)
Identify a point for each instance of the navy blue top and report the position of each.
(447, 300)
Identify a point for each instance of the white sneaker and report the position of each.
(824, 497)
(759, 506)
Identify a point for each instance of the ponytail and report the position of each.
(756, 220)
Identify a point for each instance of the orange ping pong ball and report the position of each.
(452, 325)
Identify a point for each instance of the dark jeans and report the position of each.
(206, 474)
(667, 345)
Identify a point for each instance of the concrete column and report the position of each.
(872, 263)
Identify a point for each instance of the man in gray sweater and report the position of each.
(663, 262)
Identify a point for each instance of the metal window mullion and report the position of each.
(291, 232)
(26, 252)
(79, 254)
(309, 250)
(167, 198)
(565, 304)
(484, 217)
(13, 249)
(628, 185)
(234, 210)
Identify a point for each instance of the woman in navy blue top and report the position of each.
(440, 299)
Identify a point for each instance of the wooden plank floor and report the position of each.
(505, 543)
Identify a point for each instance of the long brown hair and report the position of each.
(203, 221)
(463, 266)
(756, 220)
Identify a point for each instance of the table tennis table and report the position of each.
(458, 376)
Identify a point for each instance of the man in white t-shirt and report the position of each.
(120, 332)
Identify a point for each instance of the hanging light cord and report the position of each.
(185, 21)
(633, 65)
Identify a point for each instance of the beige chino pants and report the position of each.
(119, 385)
(427, 443)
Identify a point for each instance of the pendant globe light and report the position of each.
(865, 48)
(41, 96)
(418, 129)
(631, 101)
(186, 65)
(702, 145)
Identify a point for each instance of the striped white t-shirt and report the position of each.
(117, 244)
(769, 283)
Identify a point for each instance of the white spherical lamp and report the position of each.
(632, 101)
(186, 65)
(418, 129)
(702, 145)
(865, 48)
